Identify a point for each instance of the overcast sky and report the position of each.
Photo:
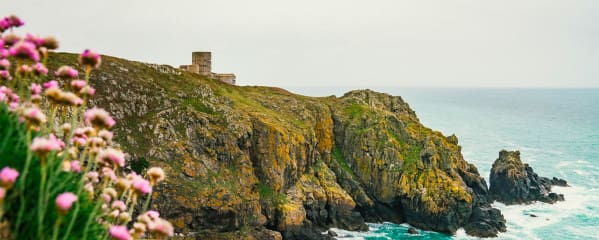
(423, 43)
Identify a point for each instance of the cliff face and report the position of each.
(254, 162)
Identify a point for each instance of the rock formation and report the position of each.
(263, 163)
(514, 182)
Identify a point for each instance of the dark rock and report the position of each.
(559, 182)
(532, 215)
(412, 231)
(332, 233)
(514, 182)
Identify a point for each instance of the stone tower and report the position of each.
(201, 63)
(203, 60)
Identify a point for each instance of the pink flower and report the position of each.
(42, 145)
(106, 135)
(34, 116)
(78, 84)
(40, 70)
(153, 214)
(24, 50)
(60, 143)
(49, 43)
(108, 173)
(87, 90)
(24, 69)
(79, 141)
(98, 117)
(8, 176)
(70, 98)
(5, 75)
(64, 201)
(4, 24)
(76, 166)
(141, 185)
(66, 72)
(106, 198)
(119, 205)
(119, 233)
(4, 64)
(111, 156)
(51, 84)
(161, 227)
(36, 89)
(11, 39)
(15, 21)
(156, 175)
(32, 39)
(3, 52)
(13, 106)
(92, 177)
(90, 58)
(9, 22)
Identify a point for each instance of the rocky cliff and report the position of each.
(515, 182)
(263, 163)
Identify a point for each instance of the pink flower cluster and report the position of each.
(8, 176)
(90, 58)
(42, 145)
(7, 96)
(10, 22)
(77, 140)
(25, 50)
(99, 118)
(64, 201)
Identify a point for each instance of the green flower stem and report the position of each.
(22, 183)
(147, 203)
(76, 211)
(40, 200)
(91, 217)
(56, 227)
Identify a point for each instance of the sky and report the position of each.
(323, 43)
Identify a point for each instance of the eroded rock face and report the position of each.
(514, 182)
(260, 158)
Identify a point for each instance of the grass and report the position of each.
(338, 156)
(354, 110)
(270, 196)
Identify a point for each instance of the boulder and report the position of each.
(412, 231)
(515, 182)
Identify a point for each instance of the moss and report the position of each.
(269, 195)
(199, 105)
(338, 156)
(354, 110)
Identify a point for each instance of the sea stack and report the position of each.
(514, 182)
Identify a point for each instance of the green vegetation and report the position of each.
(270, 196)
(21, 199)
(338, 156)
(354, 110)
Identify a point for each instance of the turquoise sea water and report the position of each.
(556, 130)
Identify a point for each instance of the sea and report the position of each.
(556, 131)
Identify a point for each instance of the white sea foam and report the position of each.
(520, 223)
(351, 235)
